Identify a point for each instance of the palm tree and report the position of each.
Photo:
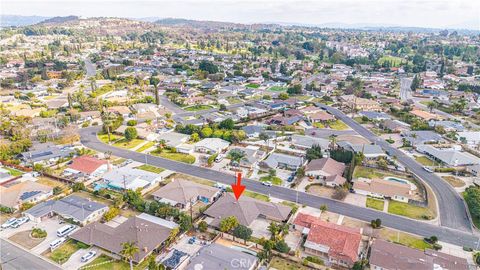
(108, 119)
(333, 141)
(129, 249)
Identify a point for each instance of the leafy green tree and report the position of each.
(208, 67)
(281, 246)
(206, 132)
(228, 223)
(130, 133)
(202, 226)
(129, 249)
(227, 124)
(242, 232)
(315, 152)
(296, 89)
(283, 96)
(236, 155)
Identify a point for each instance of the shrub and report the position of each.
(111, 213)
(281, 246)
(131, 123)
(314, 260)
(202, 226)
(339, 194)
(82, 245)
(38, 233)
(131, 133)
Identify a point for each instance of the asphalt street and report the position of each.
(455, 236)
(15, 258)
(453, 212)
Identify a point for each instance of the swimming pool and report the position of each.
(402, 181)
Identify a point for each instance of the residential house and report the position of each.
(419, 137)
(146, 231)
(448, 126)
(88, 166)
(425, 115)
(471, 138)
(394, 126)
(449, 156)
(375, 116)
(216, 256)
(246, 210)
(320, 117)
(76, 208)
(129, 178)
(384, 189)
(251, 156)
(173, 139)
(184, 194)
(24, 192)
(361, 104)
(306, 142)
(46, 153)
(284, 121)
(340, 245)
(327, 170)
(211, 145)
(282, 161)
(253, 131)
(389, 256)
(369, 151)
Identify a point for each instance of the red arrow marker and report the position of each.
(237, 187)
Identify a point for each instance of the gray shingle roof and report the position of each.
(216, 256)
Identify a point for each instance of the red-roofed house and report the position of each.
(88, 165)
(338, 244)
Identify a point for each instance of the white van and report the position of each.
(55, 244)
(65, 230)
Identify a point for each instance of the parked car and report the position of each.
(22, 221)
(88, 256)
(427, 169)
(267, 183)
(65, 230)
(9, 223)
(56, 243)
(219, 158)
(192, 240)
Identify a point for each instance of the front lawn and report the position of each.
(424, 161)
(195, 108)
(252, 85)
(174, 156)
(409, 210)
(277, 89)
(63, 253)
(124, 143)
(104, 137)
(404, 239)
(375, 204)
(13, 172)
(150, 168)
(338, 125)
(145, 146)
(274, 180)
(318, 125)
(454, 181)
(368, 173)
(103, 262)
(284, 264)
(257, 196)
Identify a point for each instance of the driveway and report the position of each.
(74, 261)
(356, 199)
(51, 226)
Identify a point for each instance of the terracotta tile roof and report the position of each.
(343, 242)
(86, 164)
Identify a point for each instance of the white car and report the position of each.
(427, 169)
(267, 183)
(22, 220)
(88, 256)
(9, 223)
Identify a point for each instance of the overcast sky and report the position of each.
(422, 13)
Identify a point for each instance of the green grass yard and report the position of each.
(145, 146)
(277, 89)
(375, 204)
(103, 262)
(63, 253)
(150, 168)
(404, 239)
(396, 61)
(113, 137)
(195, 108)
(425, 161)
(338, 125)
(124, 143)
(409, 210)
(257, 196)
(318, 125)
(253, 85)
(284, 264)
(185, 158)
(13, 172)
(274, 180)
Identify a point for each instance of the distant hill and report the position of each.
(179, 22)
(59, 20)
(18, 20)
